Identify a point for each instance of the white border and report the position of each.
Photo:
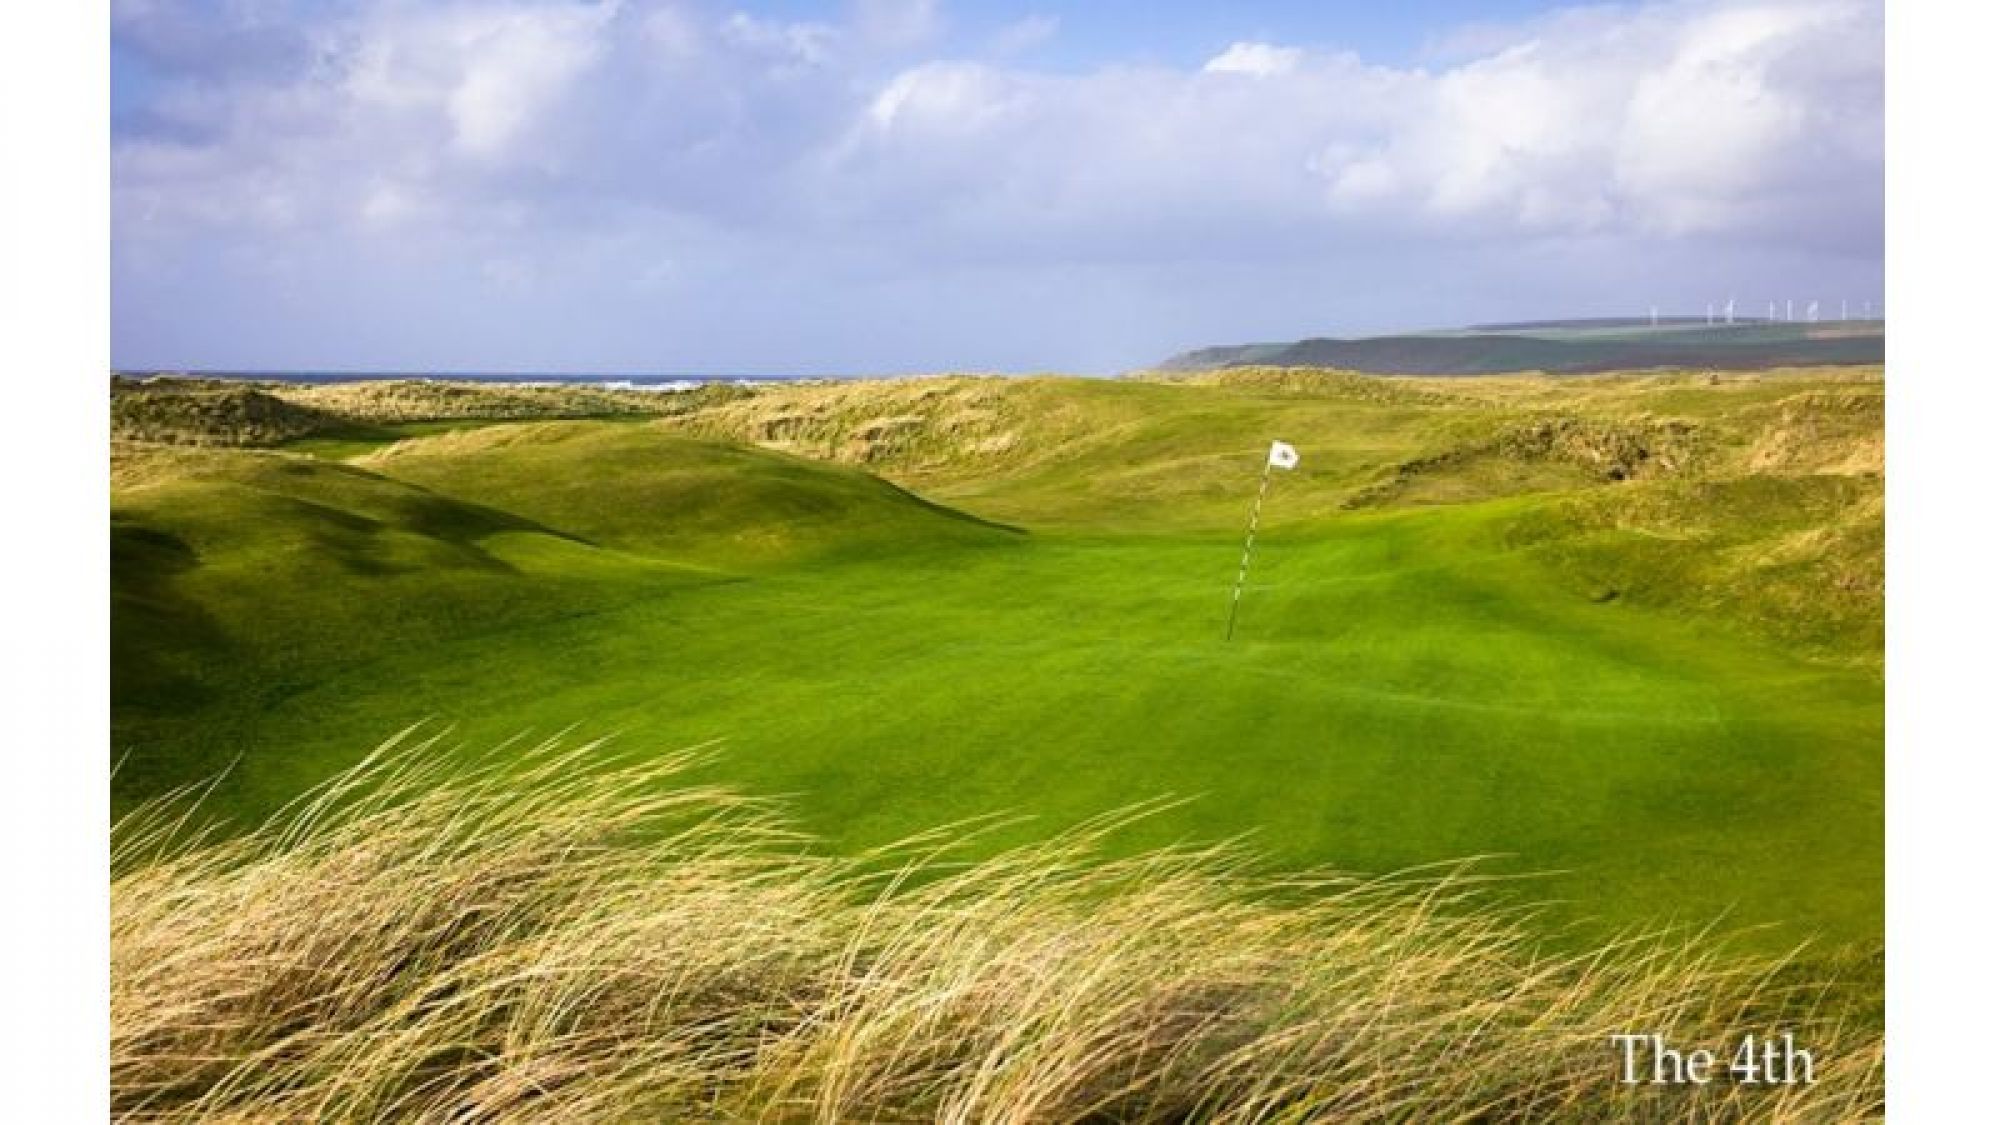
(1944, 436)
(55, 345)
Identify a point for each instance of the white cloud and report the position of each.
(1678, 119)
(1720, 94)
(493, 70)
(1261, 60)
(949, 97)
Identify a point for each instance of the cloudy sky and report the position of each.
(901, 185)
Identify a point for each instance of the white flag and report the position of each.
(1283, 456)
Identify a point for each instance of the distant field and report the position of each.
(1622, 631)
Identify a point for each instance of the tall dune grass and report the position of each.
(553, 937)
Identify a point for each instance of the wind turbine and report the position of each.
(1788, 310)
(1812, 312)
(1729, 312)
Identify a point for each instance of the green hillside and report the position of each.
(1621, 631)
(1566, 347)
(662, 495)
(209, 413)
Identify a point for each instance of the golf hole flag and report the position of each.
(1282, 456)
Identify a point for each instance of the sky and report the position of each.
(890, 186)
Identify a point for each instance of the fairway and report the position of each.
(1409, 683)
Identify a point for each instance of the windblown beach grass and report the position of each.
(556, 936)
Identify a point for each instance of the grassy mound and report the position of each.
(392, 401)
(209, 413)
(557, 938)
(357, 416)
(1313, 381)
(1797, 558)
(655, 491)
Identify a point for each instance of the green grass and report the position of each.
(355, 439)
(1408, 685)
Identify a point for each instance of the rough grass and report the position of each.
(422, 400)
(263, 413)
(554, 936)
(180, 412)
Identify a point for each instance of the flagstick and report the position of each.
(1243, 571)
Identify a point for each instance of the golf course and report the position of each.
(1619, 635)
